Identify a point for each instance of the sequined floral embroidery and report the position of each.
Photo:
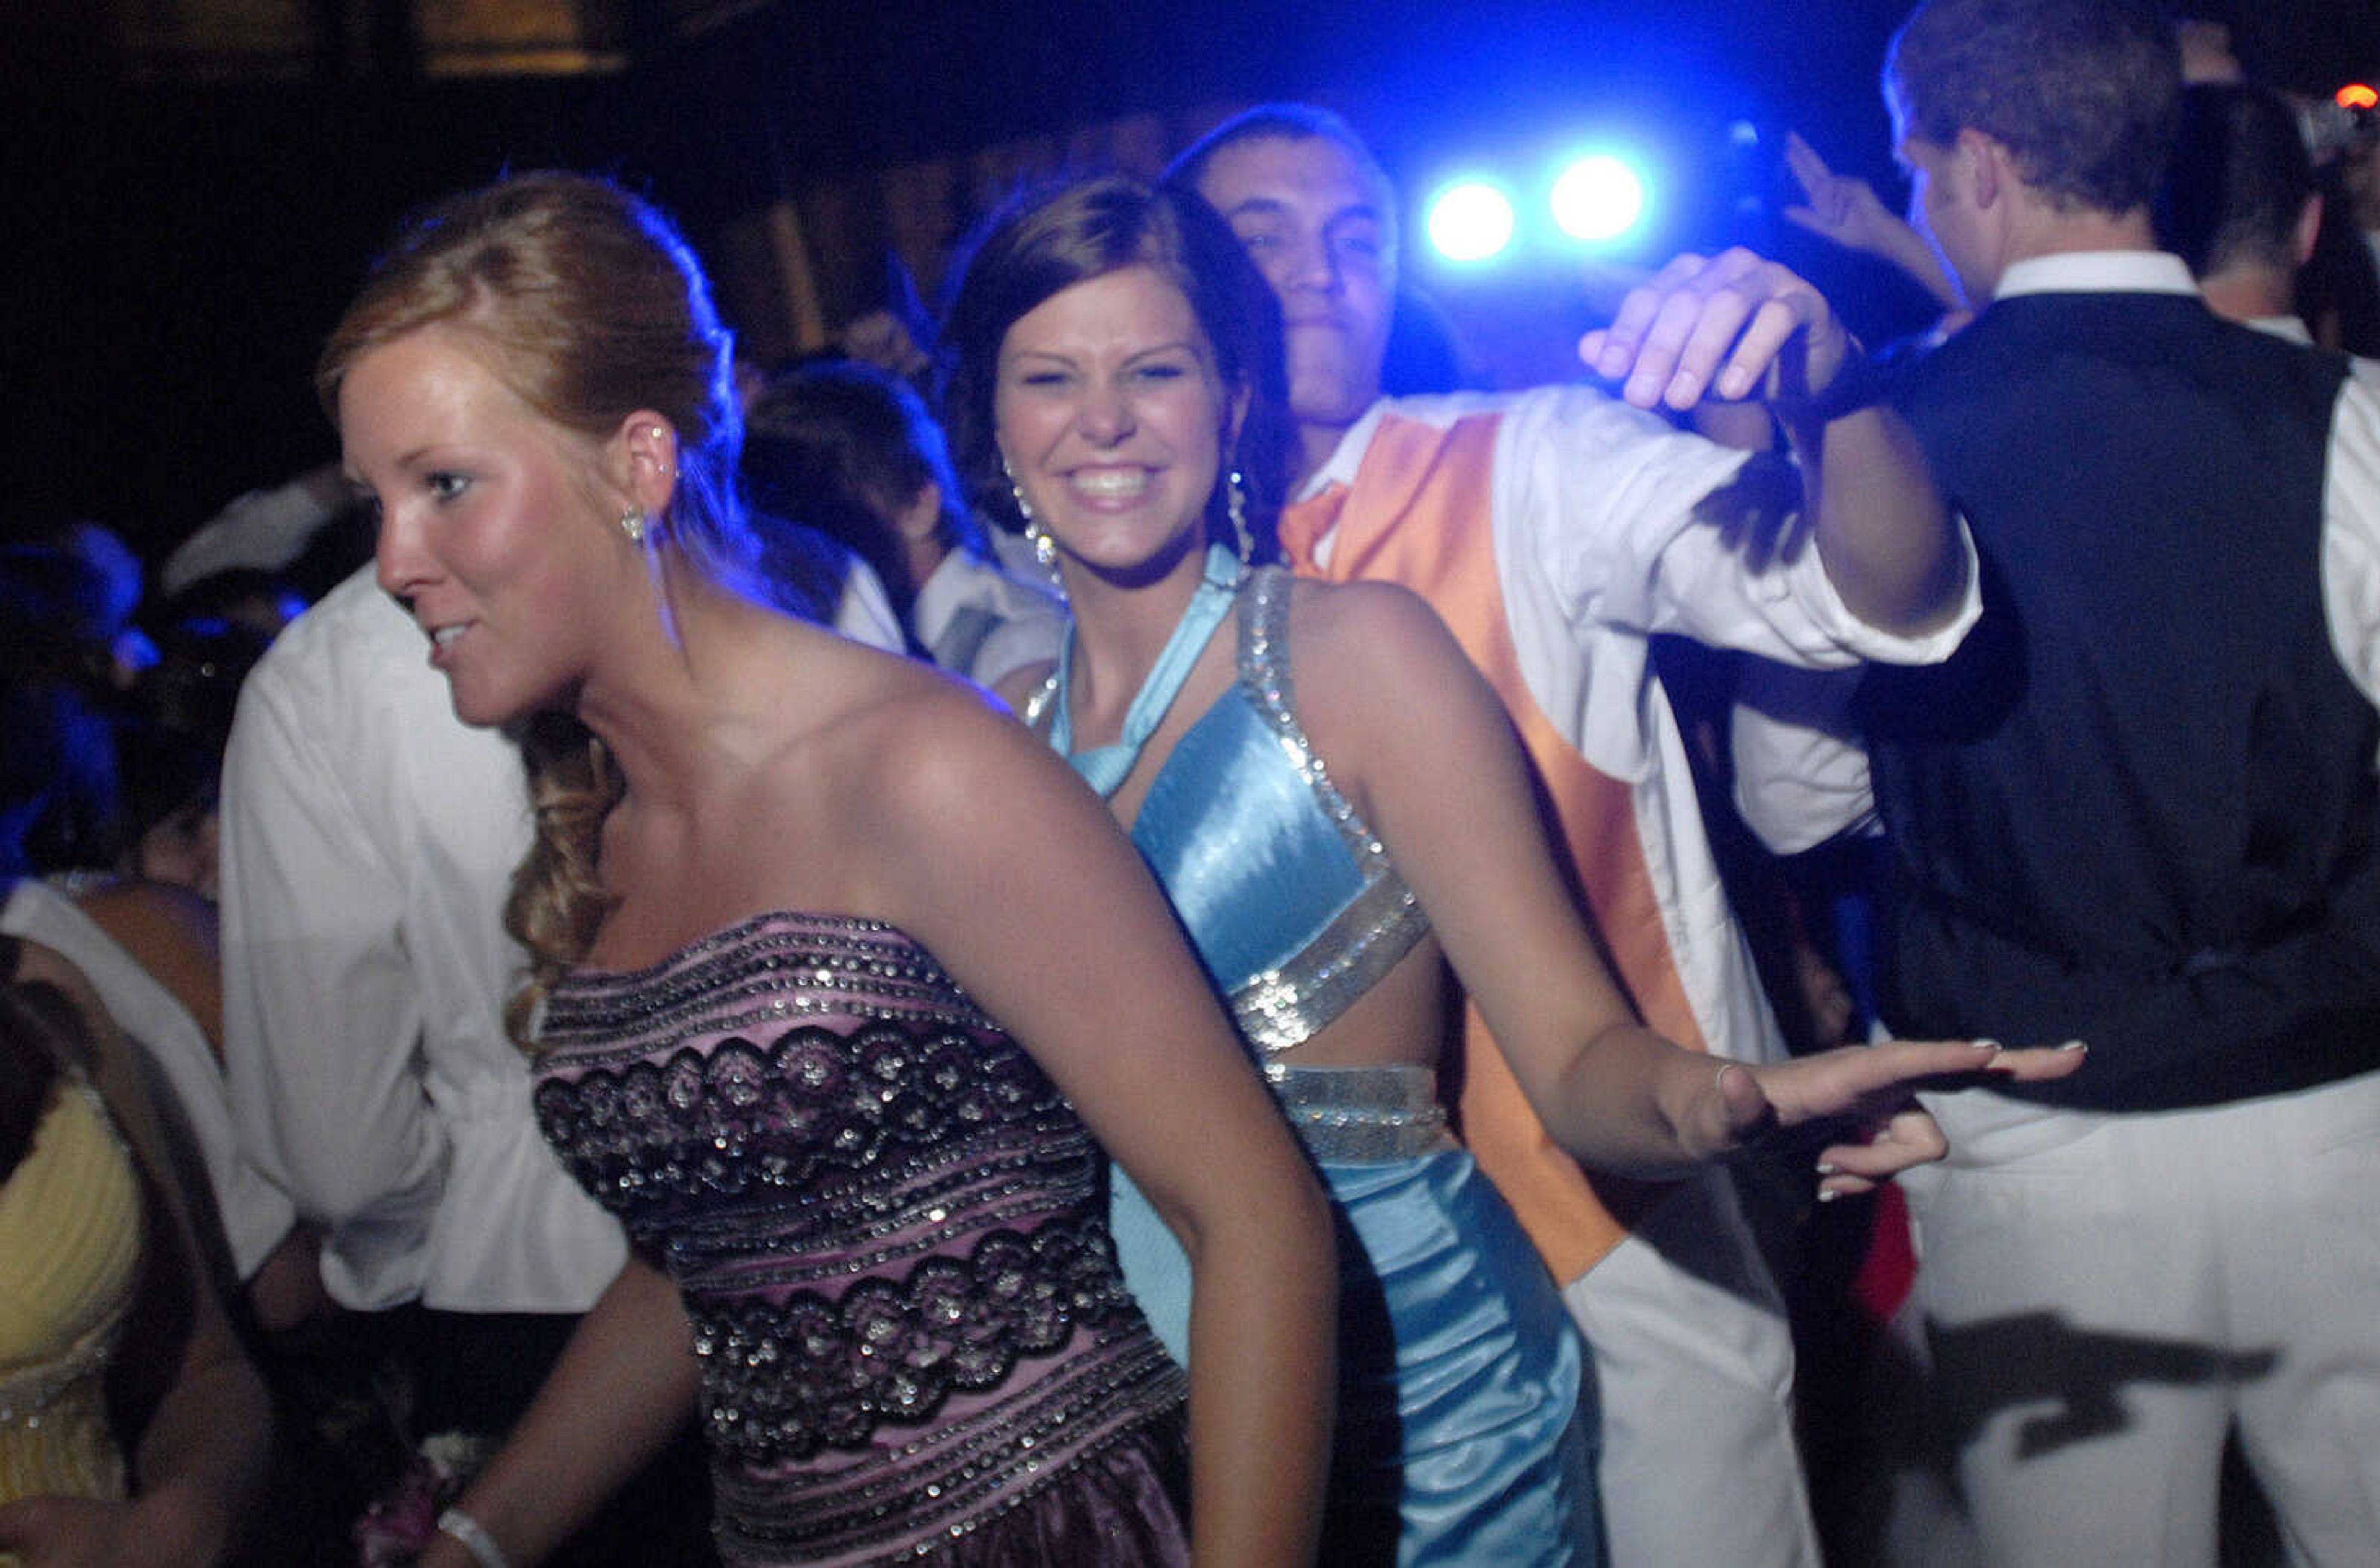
(787, 1380)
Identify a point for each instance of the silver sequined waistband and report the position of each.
(1357, 1114)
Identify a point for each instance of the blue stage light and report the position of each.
(1597, 197)
(1469, 221)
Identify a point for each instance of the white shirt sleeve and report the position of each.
(1603, 498)
(1801, 774)
(1600, 546)
(864, 613)
(2350, 536)
(322, 1014)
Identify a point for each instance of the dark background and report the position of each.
(177, 249)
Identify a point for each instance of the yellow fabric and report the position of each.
(70, 1235)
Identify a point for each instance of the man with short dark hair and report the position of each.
(1555, 531)
(2137, 809)
(2240, 205)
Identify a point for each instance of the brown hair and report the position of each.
(589, 306)
(1048, 242)
(2086, 94)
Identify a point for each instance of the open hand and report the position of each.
(1733, 325)
(1843, 208)
(1868, 1089)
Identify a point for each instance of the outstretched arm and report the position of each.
(1735, 325)
(1012, 872)
(1399, 712)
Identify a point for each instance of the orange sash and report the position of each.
(1419, 514)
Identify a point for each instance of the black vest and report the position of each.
(2138, 806)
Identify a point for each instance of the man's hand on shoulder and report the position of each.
(1733, 325)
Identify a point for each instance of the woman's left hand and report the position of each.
(1868, 1089)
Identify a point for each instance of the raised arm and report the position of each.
(1734, 326)
(1018, 880)
(1846, 210)
(1401, 715)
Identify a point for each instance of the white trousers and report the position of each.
(1693, 1367)
(2105, 1297)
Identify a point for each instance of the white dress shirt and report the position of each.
(369, 840)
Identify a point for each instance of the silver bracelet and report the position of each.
(475, 1538)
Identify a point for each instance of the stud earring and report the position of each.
(1235, 505)
(632, 523)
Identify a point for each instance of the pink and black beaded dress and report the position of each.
(890, 1233)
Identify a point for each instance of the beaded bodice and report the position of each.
(885, 1220)
(1292, 901)
(70, 1231)
(1290, 898)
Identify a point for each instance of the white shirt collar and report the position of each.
(1345, 457)
(2098, 272)
(2289, 327)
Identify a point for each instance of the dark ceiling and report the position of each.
(187, 219)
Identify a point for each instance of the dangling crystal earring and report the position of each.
(1045, 549)
(1024, 507)
(632, 523)
(1235, 503)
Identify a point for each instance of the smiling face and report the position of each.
(1113, 420)
(1320, 231)
(492, 531)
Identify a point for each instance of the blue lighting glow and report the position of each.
(1469, 221)
(1597, 197)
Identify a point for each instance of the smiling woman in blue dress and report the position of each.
(1334, 801)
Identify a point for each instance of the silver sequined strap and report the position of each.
(1289, 1005)
(1363, 1114)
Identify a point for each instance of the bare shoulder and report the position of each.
(1356, 610)
(1357, 646)
(936, 752)
(151, 919)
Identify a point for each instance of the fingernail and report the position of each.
(1826, 1168)
(1827, 1195)
(1736, 383)
(1985, 1044)
(2074, 1045)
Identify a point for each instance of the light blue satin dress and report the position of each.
(1466, 1415)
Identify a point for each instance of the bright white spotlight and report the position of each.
(1597, 197)
(1470, 221)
